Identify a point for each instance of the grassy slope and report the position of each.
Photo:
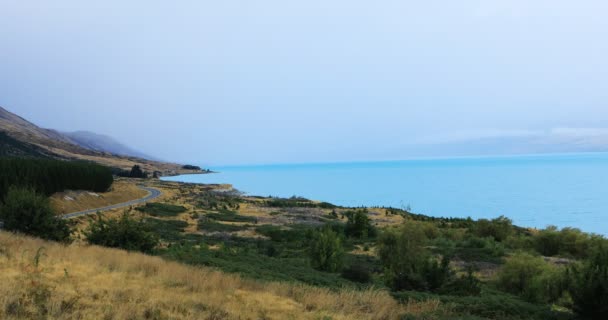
(88, 282)
(121, 191)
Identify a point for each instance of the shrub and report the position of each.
(359, 225)
(407, 264)
(326, 251)
(567, 241)
(589, 286)
(161, 209)
(532, 278)
(465, 285)
(499, 228)
(357, 273)
(29, 212)
(123, 232)
(212, 226)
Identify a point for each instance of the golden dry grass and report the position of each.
(89, 282)
(121, 191)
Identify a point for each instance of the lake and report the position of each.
(533, 190)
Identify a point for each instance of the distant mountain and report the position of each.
(553, 141)
(103, 143)
(19, 137)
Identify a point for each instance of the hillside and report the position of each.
(23, 138)
(48, 280)
(103, 143)
(10, 147)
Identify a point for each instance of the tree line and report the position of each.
(48, 176)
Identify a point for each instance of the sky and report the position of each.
(270, 81)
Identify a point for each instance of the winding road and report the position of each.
(152, 194)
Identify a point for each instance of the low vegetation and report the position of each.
(435, 268)
(123, 232)
(46, 280)
(24, 210)
(162, 209)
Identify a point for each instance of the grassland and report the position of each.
(47, 280)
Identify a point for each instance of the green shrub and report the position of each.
(488, 305)
(230, 216)
(499, 228)
(28, 212)
(168, 230)
(161, 209)
(212, 226)
(326, 251)
(532, 278)
(123, 232)
(357, 273)
(359, 225)
(588, 286)
(252, 264)
(465, 285)
(479, 249)
(407, 263)
(569, 242)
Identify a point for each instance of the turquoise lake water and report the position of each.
(534, 191)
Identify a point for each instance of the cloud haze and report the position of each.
(292, 81)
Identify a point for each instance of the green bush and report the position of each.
(326, 251)
(588, 286)
(569, 242)
(465, 285)
(499, 228)
(357, 273)
(161, 209)
(212, 226)
(359, 225)
(532, 278)
(123, 232)
(28, 212)
(407, 263)
(256, 265)
(230, 216)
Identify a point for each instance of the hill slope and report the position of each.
(49, 280)
(103, 143)
(10, 147)
(26, 138)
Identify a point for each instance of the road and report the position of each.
(152, 194)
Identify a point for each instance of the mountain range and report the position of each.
(19, 137)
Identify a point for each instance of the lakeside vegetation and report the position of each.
(433, 268)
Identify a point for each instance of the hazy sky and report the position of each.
(222, 82)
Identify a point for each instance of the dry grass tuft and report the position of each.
(42, 280)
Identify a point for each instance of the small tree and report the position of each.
(137, 172)
(359, 225)
(407, 263)
(326, 251)
(123, 232)
(28, 212)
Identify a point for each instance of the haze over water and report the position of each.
(535, 190)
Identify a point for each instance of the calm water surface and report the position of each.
(535, 191)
